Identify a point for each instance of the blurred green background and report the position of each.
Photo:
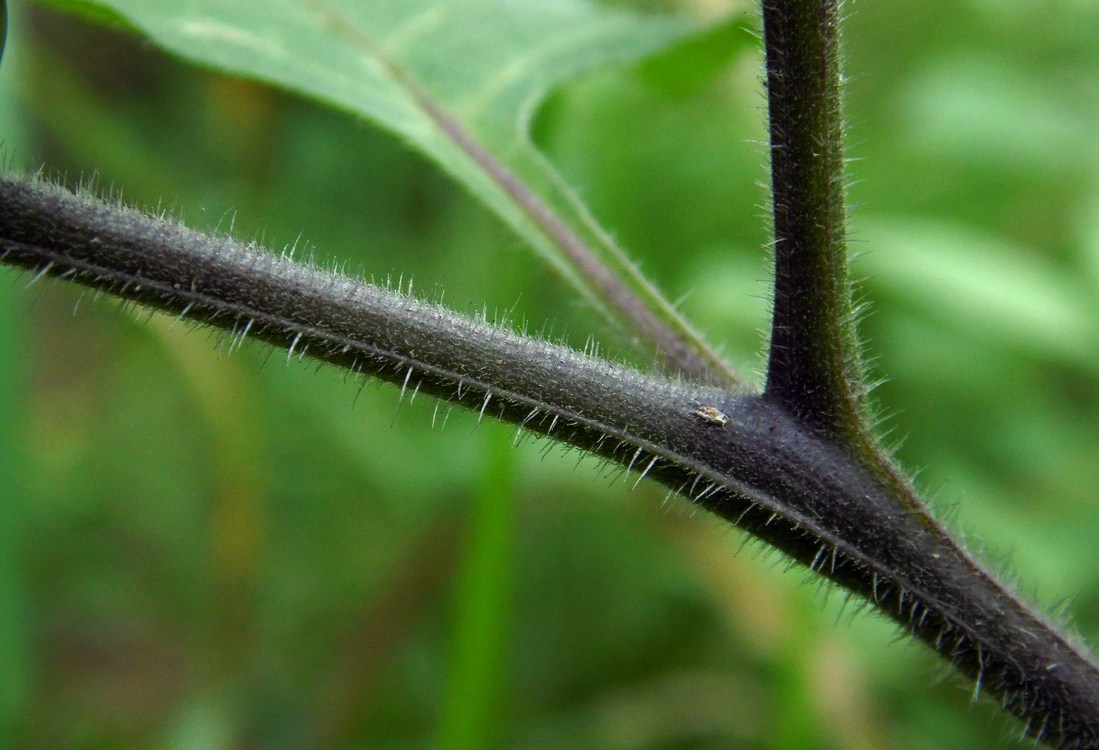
(204, 550)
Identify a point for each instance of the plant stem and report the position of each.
(813, 368)
(940, 594)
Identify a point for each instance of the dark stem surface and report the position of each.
(813, 367)
(815, 375)
(744, 457)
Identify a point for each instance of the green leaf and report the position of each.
(459, 81)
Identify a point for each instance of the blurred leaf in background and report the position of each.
(220, 549)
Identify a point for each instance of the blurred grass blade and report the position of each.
(15, 616)
(459, 82)
(987, 287)
(3, 26)
(474, 703)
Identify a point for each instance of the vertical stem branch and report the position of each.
(813, 369)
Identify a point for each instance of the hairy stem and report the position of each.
(813, 368)
(815, 374)
(741, 456)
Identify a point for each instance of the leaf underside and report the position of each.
(407, 66)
